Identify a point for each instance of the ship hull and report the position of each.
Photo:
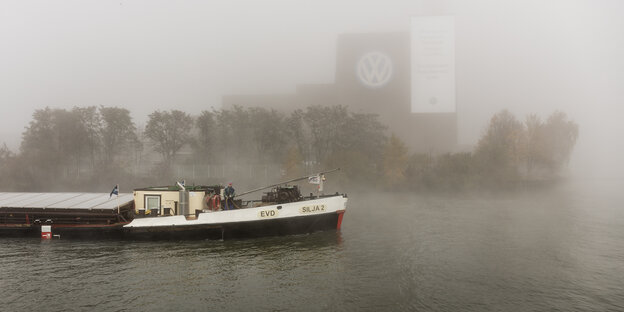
(64, 230)
(300, 217)
(275, 227)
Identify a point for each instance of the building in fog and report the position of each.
(377, 73)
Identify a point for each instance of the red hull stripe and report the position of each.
(20, 225)
(340, 215)
(88, 225)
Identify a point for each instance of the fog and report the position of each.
(507, 225)
(525, 56)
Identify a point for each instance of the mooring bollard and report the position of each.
(46, 232)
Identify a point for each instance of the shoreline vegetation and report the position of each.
(92, 148)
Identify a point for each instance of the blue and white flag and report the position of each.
(314, 179)
(114, 191)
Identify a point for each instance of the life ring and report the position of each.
(214, 202)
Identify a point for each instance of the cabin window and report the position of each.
(152, 202)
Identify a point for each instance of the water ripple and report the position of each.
(427, 253)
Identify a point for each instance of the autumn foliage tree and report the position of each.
(498, 150)
(511, 150)
(395, 161)
(536, 154)
(560, 136)
(293, 163)
(63, 149)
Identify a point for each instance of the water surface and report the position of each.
(557, 249)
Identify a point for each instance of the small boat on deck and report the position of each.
(175, 212)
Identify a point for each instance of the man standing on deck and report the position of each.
(229, 197)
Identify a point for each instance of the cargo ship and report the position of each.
(172, 212)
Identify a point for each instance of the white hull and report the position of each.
(289, 218)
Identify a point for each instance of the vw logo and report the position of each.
(374, 69)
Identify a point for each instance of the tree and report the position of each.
(5, 158)
(89, 135)
(549, 144)
(268, 134)
(331, 136)
(40, 146)
(364, 133)
(293, 163)
(325, 124)
(71, 138)
(317, 131)
(560, 136)
(358, 147)
(536, 145)
(5, 152)
(234, 134)
(57, 141)
(297, 133)
(10, 176)
(169, 131)
(395, 161)
(454, 172)
(498, 149)
(419, 172)
(206, 141)
(118, 132)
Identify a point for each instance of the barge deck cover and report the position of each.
(77, 201)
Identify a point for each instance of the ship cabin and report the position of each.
(190, 201)
(174, 200)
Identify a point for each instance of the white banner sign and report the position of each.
(433, 64)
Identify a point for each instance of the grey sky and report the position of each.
(528, 56)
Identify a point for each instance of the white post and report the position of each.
(118, 209)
